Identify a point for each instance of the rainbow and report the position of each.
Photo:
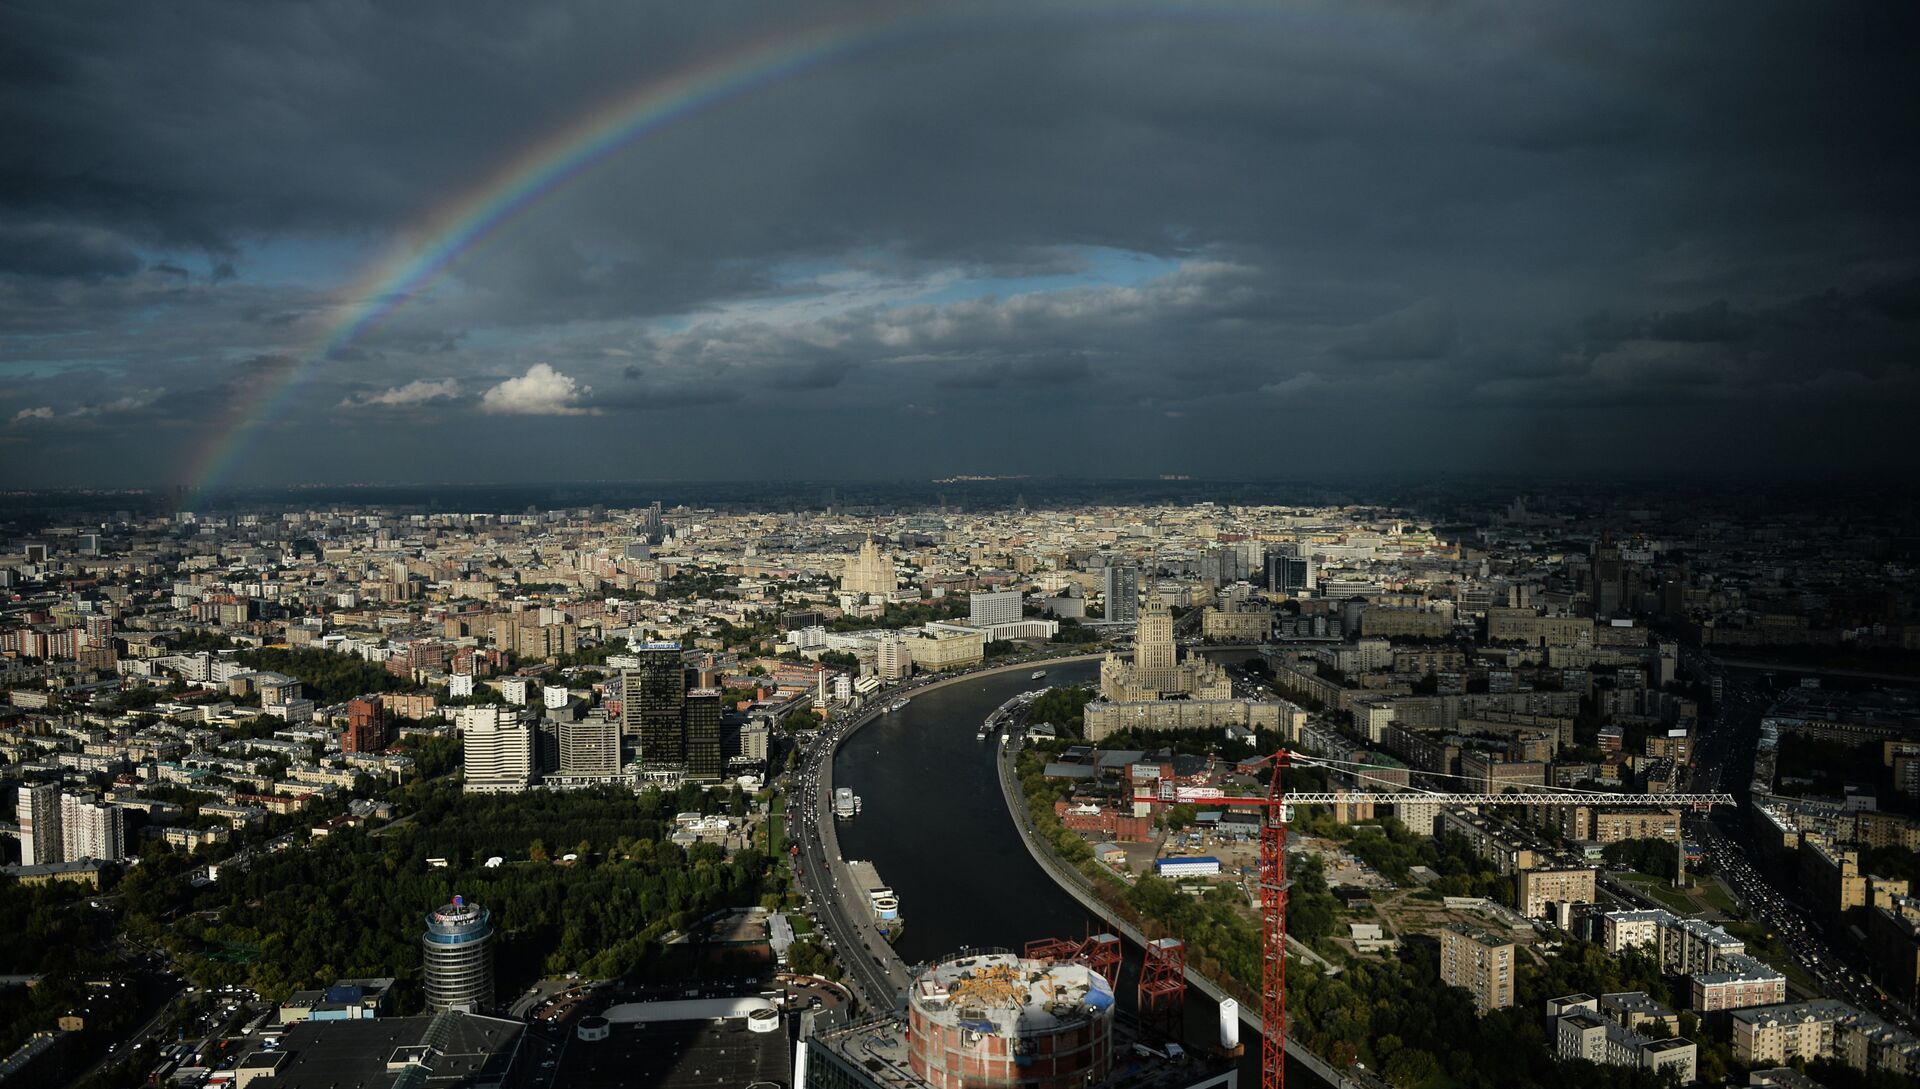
(545, 168)
(516, 188)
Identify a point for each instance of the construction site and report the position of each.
(1253, 854)
(1044, 1018)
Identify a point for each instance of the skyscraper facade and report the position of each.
(703, 733)
(1122, 588)
(1287, 570)
(1153, 651)
(91, 829)
(496, 749)
(869, 572)
(892, 658)
(652, 697)
(457, 957)
(37, 811)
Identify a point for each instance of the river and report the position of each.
(934, 825)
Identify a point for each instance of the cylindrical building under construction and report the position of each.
(995, 1018)
(458, 953)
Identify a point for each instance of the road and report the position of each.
(134, 1039)
(872, 968)
(1724, 761)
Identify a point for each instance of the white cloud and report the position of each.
(416, 392)
(138, 399)
(542, 391)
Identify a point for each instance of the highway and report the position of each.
(873, 970)
(1724, 761)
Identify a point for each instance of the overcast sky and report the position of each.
(1248, 240)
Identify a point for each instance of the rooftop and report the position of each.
(878, 1047)
(1004, 993)
(677, 1054)
(457, 1049)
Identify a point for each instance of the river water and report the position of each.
(934, 825)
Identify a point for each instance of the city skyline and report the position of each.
(1562, 779)
(282, 246)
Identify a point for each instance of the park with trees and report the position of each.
(353, 904)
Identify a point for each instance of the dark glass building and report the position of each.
(653, 698)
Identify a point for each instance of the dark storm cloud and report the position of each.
(1421, 331)
(46, 249)
(821, 374)
(1175, 213)
(646, 396)
(1048, 371)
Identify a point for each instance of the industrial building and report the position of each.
(451, 1048)
(716, 1043)
(1192, 866)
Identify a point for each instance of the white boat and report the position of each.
(1038, 673)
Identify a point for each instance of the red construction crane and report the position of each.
(1274, 885)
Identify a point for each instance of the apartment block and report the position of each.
(1536, 890)
(1585, 1034)
(1480, 963)
(1738, 983)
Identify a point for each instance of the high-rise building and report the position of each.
(457, 956)
(1479, 963)
(869, 572)
(653, 696)
(1296, 575)
(590, 747)
(546, 745)
(1155, 672)
(366, 726)
(1287, 571)
(756, 738)
(1153, 640)
(91, 829)
(893, 659)
(1122, 588)
(994, 607)
(38, 813)
(497, 750)
(702, 711)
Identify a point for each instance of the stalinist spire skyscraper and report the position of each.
(869, 572)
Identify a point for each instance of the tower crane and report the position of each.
(1279, 805)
